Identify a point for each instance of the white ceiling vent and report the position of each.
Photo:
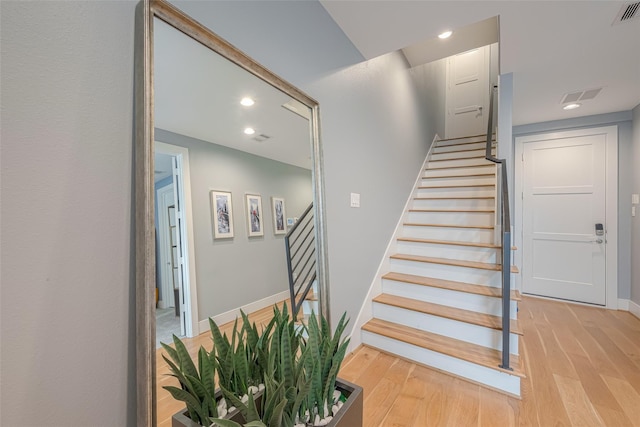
(262, 137)
(628, 12)
(583, 95)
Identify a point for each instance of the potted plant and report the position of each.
(283, 376)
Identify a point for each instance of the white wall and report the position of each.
(68, 318)
(67, 296)
(625, 174)
(635, 222)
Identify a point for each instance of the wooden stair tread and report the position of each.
(465, 137)
(417, 224)
(454, 210)
(475, 175)
(452, 197)
(453, 242)
(453, 262)
(469, 288)
(459, 158)
(462, 166)
(455, 348)
(493, 145)
(458, 314)
(426, 187)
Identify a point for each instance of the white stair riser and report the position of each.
(447, 272)
(487, 191)
(476, 235)
(473, 180)
(460, 171)
(459, 218)
(463, 300)
(459, 141)
(471, 371)
(453, 204)
(466, 253)
(450, 148)
(459, 154)
(461, 162)
(467, 332)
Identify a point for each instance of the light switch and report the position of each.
(635, 199)
(633, 211)
(355, 200)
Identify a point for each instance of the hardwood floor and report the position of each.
(582, 366)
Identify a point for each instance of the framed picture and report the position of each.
(279, 216)
(255, 220)
(222, 213)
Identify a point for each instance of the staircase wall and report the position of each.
(366, 311)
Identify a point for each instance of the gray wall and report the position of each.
(67, 298)
(68, 320)
(625, 174)
(431, 81)
(234, 272)
(635, 188)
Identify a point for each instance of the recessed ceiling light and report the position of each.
(249, 131)
(445, 35)
(571, 106)
(247, 102)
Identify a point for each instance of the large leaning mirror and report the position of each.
(228, 169)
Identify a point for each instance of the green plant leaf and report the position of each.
(222, 422)
(186, 363)
(192, 403)
(207, 371)
(276, 416)
(171, 352)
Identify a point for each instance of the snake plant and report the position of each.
(197, 385)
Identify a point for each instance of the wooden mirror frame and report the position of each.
(146, 11)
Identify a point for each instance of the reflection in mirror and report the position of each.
(236, 164)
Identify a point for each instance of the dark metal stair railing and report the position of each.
(300, 248)
(505, 237)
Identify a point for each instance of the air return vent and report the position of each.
(262, 137)
(628, 12)
(583, 95)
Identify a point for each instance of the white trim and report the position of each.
(191, 296)
(611, 200)
(231, 315)
(164, 243)
(634, 309)
(623, 304)
(366, 311)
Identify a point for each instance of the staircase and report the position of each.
(441, 300)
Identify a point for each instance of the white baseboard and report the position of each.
(230, 316)
(634, 309)
(623, 304)
(366, 310)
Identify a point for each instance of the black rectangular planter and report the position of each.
(350, 415)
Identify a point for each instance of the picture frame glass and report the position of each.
(254, 215)
(222, 213)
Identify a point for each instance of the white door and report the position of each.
(468, 93)
(563, 200)
(165, 199)
(178, 229)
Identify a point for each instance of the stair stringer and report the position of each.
(366, 310)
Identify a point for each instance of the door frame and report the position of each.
(611, 200)
(163, 243)
(188, 248)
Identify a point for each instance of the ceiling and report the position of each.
(551, 47)
(197, 93)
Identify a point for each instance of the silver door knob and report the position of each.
(599, 241)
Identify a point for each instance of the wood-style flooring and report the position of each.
(582, 366)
